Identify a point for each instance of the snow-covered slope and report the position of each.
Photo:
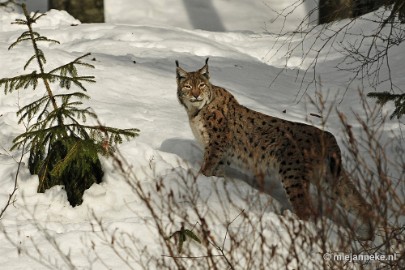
(134, 55)
(211, 15)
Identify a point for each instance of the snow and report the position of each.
(134, 55)
(217, 15)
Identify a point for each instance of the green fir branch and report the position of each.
(38, 137)
(68, 74)
(42, 38)
(39, 55)
(72, 113)
(37, 15)
(20, 22)
(28, 111)
(67, 97)
(72, 155)
(18, 82)
(29, 19)
(117, 133)
(385, 97)
(30, 36)
(66, 82)
(26, 36)
(74, 62)
(114, 134)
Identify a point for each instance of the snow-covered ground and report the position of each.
(134, 55)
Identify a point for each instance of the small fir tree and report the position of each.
(63, 150)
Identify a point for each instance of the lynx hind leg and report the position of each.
(298, 195)
(350, 199)
(296, 186)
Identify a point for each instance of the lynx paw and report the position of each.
(219, 172)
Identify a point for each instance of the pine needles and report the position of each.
(398, 99)
(63, 150)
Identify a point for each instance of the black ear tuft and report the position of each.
(180, 73)
(204, 70)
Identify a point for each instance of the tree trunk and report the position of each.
(332, 10)
(86, 11)
(361, 7)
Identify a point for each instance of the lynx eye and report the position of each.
(202, 85)
(187, 86)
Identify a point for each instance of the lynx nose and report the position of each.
(195, 93)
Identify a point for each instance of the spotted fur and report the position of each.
(301, 154)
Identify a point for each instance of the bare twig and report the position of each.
(11, 198)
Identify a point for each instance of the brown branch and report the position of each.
(15, 188)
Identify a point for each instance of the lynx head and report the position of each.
(193, 88)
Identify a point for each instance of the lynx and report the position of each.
(300, 154)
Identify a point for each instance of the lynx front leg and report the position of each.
(218, 141)
(213, 168)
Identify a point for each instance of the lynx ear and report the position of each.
(204, 70)
(180, 73)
